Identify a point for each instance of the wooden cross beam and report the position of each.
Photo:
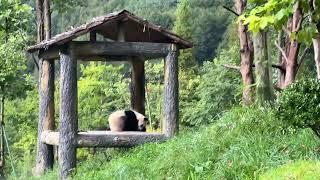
(84, 50)
(105, 138)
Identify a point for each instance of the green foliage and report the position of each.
(102, 90)
(154, 88)
(299, 104)
(268, 13)
(218, 90)
(183, 27)
(243, 144)
(302, 170)
(13, 80)
(276, 13)
(211, 22)
(14, 16)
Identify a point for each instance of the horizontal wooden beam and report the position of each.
(50, 137)
(84, 50)
(106, 138)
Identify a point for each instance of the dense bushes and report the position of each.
(299, 105)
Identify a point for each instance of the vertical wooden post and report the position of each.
(171, 93)
(68, 113)
(45, 159)
(93, 36)
(137, 85)
(45, 154)
(137, 91)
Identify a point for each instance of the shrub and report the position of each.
(299, 105)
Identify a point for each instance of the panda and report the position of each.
(128, 120)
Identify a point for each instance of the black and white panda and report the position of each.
(129, 120)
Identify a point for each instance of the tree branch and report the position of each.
(35, 61)
(298, 27)
(230, 10)
(231, 67)
(302, 57)
(278, 66)
(282, 51)
(286, 30)
(238, 68)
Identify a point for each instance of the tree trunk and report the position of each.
(264, 88)
(40, 20)
(282, 62)
(45, 153)
(246, 54)
(171, 93)
(47, 19)
(292, 62)
(68, 114)
(137, 85)
(316, 41)
(2, 141)
(316, 46)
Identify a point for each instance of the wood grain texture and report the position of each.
(171, 93)
(68, 113)
(137, 85)
(45, 157)
(107, 138)
(86, 49)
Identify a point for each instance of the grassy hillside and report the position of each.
(243, 144)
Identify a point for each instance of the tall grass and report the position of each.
(243, 144)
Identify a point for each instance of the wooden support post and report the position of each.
(171, 93)
(137, 85)
(45, 158)
(93, 36)
(68, 113)
(45, 153)
(137, 91)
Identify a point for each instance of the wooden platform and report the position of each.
(106, 138)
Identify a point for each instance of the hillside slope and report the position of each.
(243, 144)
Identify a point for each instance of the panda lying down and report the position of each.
(129, 120)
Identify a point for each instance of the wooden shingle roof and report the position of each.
(136, 30)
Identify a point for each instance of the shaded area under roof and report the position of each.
(136, 30)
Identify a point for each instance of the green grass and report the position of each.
(302, 170)
(243, 144)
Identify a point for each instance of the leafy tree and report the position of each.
(102, 90)
(218, 90)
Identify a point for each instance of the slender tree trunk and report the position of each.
(316, 40)
(40, 21)
(246, 54)
(264, 88)
(282, 62)
(316, 46)
(47, 19)
(292, 57)
(2, 160)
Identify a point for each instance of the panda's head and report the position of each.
(142, 121)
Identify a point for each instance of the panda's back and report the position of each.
(123, 121)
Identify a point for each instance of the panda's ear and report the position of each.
(146, 120)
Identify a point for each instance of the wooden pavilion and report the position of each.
(126, 38)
